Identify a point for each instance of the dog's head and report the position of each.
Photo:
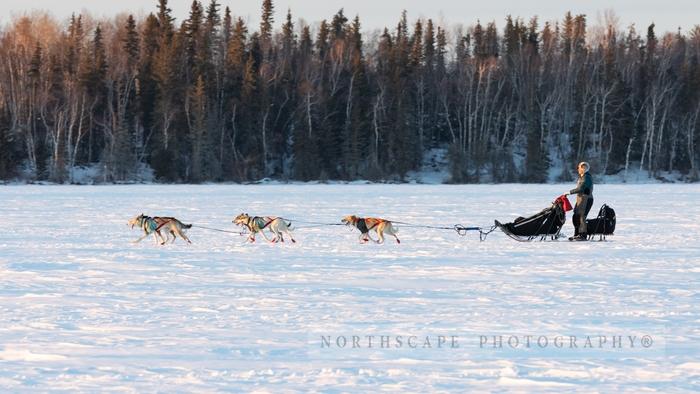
(349, 220)
(241, 219)
(137, 220)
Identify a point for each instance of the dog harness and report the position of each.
(362, 226)
(163, 224)
(149, 224)
(258, 221)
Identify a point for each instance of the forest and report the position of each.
(213, 99)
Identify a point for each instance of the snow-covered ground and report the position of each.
(84, 309)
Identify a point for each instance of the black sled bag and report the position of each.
(604, 223)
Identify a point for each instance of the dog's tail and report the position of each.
(186, 226)
(289, 224)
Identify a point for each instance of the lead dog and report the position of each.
(257, 224)
(365, 225)
(154, 225)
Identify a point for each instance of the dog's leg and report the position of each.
(164, 240)
(275, 230)
(182, 235)
(369, 238)
(285, 230)
(277, 235)
(155, 237)
(380, 235)
(186, 238)
(176, 231)
(266, 238)
(390, 231)
(141, 239)
(280, 235)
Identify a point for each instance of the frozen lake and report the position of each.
(85, 309)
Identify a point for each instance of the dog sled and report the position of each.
(544, 225)
(603, 225)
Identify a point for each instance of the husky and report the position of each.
(154, 225)
(365, 225)
(257, 224)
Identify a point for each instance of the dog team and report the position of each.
(277, 226)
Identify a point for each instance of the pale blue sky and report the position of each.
(668, 15)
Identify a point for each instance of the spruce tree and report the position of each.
(266, 21)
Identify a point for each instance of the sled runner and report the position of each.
(603, 225)
(545, 224)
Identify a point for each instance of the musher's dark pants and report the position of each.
(583, 206)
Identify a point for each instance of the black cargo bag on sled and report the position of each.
(546, 223)
(603, 224)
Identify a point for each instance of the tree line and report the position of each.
(214, 99)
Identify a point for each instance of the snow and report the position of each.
(84, 309)
(636, 176)
(85, 175)
(95, 174)
(434, 168)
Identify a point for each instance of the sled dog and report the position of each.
(365, 225)
(258, 224)
(154, 225)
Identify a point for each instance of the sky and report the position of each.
(668, 15)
